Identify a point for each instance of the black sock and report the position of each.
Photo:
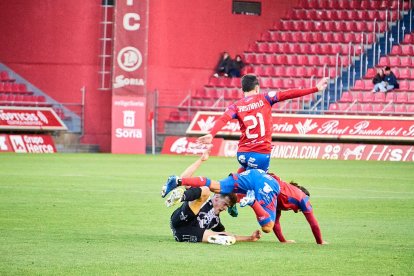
(179, 182)
(191, 194)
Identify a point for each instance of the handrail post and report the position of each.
(362, 56)
(398, 21)
(375, 42)
(386, 32)
(336, 74)
(349, 63)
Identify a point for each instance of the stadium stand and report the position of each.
(324, 38)
(399, 101)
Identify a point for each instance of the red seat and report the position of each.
(367, 108)
(400, 108)
(384, 61)
(212, 93)
(410, 98)
(262, 47)
(388, 109)
(404, 73)
(280, 71)
(405, 61)
(199, 93)
(396, 50)
(410, 108)
(368, 97)
(404, 85)
(401, 97)
(371, 72)
(359, 85)
(394, 61)
(407, 50)
(4, 76)
(346, 97)
(269, 71)
(390, 97)
(377, 108)
(379, 97)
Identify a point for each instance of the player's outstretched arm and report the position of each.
(255, 236)
(296, 93)
(190, 170)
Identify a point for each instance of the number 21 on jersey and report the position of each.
(253, 122)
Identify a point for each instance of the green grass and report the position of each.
(103, 215)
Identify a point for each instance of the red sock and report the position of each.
(195, 181)
(261, 214)
(240, 170)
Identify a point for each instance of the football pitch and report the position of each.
(101, 214)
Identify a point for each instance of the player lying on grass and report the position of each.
(260, 188)
(254, 113)
(198, 218)
(290, 197)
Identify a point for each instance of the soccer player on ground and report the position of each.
(197, 219)
(254, 113)
(260, 188)
(296, 198)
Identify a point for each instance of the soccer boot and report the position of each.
(175, 197)
(222, 239)
(169, 186)
(248, 199)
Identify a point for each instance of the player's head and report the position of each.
(303, 189)
(387, 70)
(249, 83)
(222, 201)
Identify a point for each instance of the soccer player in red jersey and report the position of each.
(254, 113)
(296, 198)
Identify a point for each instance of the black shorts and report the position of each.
(184, 225)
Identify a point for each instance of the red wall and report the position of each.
(185, 40)
(55, 45)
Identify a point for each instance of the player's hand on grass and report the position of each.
(206, 139)
(322, 84)
(256, 235)
(290, 241)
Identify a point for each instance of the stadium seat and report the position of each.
(346, 97)
(405, 61)
(401, 97)
(410, 108)
(410, 98)
(407, 50)
(199, 93)
(174, 116)
(379, 97)
(390, 97)
(368, 97)
(404, 85)
(388, 109)
(400, 108)
(359, 85)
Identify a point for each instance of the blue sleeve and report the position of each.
(271, 97)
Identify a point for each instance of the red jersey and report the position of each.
(291, 198)
(254, 114)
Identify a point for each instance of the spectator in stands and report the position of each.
(378, 81)
(236, 66)
(390, 79)
(223, 66)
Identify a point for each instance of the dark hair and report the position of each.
(387, 68)
(232, 197)
(303, 189)
(249, 82)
